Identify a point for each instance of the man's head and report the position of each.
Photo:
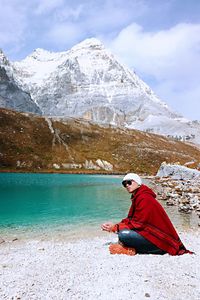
(131, 182)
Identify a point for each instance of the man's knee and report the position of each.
(124, 234)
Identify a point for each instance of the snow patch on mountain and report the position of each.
(35, 68)
(178, 128)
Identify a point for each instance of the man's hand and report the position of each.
(107, 226)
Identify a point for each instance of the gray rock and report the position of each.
(11, 96)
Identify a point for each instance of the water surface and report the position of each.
(65, 203)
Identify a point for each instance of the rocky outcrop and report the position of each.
(87, 165)
(185, 194)
(180, 186)
(11, 95)
(177, 172)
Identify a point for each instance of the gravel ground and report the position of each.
(84, 269)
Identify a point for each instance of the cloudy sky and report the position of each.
(159, 39)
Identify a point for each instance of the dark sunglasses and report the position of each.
(125, 182)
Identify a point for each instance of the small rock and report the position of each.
(147, 295)
(170, 202)
(1, 240)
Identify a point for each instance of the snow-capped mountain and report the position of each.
(11, 95)
(88, 81)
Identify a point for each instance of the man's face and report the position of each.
(130, 185)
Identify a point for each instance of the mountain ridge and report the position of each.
(88, 81)
(82, 61)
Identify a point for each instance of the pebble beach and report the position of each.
(84, 269)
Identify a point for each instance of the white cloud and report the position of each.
(182, 99)
(65, 34)
(12, 23)
(77, 21)
(112, 15)
(69, 13)
(47, 6)
(158, 53)
(171, 57)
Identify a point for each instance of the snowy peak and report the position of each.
(41, 55)
(89, 64)
(88, 81)
(88, 44)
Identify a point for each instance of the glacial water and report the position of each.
(64, 203)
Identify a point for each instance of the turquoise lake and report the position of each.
(66, 203)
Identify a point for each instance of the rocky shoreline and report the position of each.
(180, 186)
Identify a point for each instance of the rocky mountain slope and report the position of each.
(11, 95)
(89, 82)
(34, 143)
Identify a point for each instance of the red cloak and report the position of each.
(147, 217)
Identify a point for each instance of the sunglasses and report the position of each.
(125, 182)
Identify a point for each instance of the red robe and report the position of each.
(147, 217)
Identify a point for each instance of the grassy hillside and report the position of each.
(32, 143)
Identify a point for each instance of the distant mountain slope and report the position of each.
(11, 96)
(30, 142)
(89, 82)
